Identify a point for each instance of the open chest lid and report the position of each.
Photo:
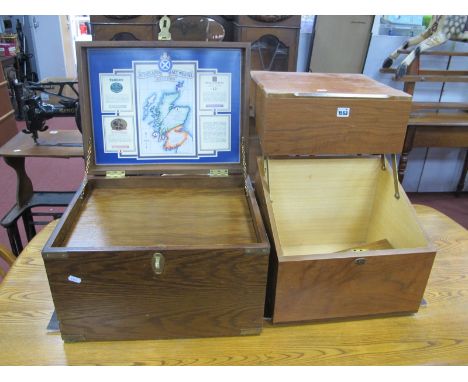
(338, 85)
(321, 114)
(152, 107)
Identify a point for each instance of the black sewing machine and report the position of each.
(36, 112)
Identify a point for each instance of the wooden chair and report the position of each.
(6, 255)
(434, 124)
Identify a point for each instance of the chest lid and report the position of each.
(151, 107)
(320, 114)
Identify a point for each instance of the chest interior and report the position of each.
(321, 206)
(163, 211)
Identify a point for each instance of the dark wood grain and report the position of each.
(5, 104)
(7, 117)
(22, 145)
(407, 147)
(141, 27)
(155, 215)
(216, 256)
(200, 294)
(24, 187)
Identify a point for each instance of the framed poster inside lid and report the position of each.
(164, 103)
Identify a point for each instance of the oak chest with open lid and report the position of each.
(345, 238)
(164, 238)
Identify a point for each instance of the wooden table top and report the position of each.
(436, 335)
(22, 145)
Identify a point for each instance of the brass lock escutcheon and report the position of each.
(157, 263)
(360, 261)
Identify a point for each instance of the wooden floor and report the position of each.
(437, 335)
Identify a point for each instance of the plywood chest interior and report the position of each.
(338, 204)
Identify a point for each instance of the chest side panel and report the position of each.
(336, 288)
(308, 126)
(118, 295)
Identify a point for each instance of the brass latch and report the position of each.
(219, 172)
(115, 174)
(164, 25)
(158, 262)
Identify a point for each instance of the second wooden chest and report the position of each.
(345, 238)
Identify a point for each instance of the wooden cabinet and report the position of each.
(146, 28)
(274, 40)
(124, 28)
(7, 114)
(174, 247)
(345, 239)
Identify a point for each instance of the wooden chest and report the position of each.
(345, 238)
(164, 239)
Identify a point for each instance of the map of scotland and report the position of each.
(168, 118)
(165, 108)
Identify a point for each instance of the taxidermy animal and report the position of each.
(440, 30)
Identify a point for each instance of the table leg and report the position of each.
(461, 182)
(407, 147)
(24, 190)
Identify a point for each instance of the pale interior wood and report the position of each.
(330, 205)
(394, 219)
(289, 83)
(152, 216)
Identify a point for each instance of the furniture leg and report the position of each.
(461, 182)
(24, 190)
(15, 238)
(407, 147)
(28, 222)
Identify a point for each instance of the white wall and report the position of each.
(48, 46)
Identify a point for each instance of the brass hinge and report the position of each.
(115, 174)
(219, 172)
